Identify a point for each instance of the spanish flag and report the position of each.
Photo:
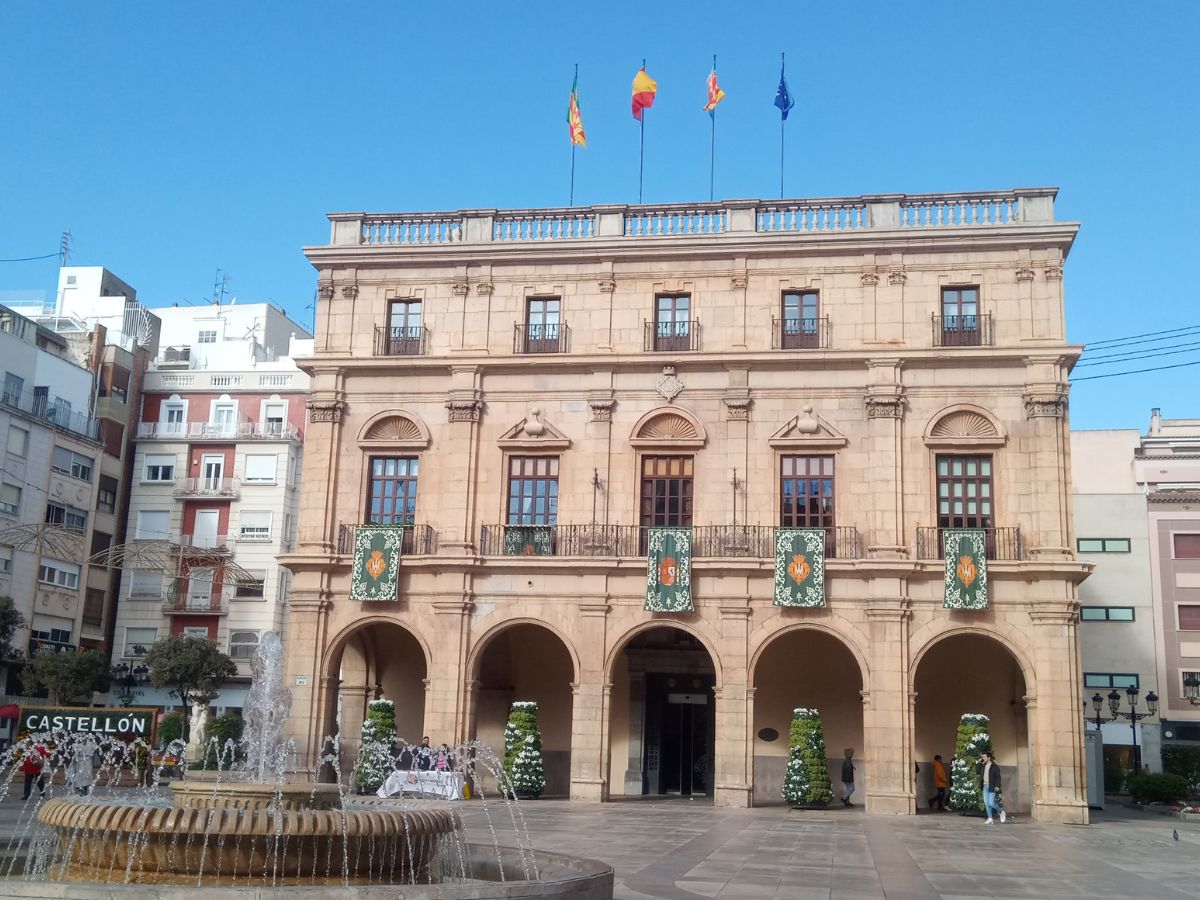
(715, 94)
(644, 89)
(574, 118)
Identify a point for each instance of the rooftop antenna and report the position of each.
(220, 285)
(64, 248)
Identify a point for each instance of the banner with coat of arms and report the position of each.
(376, 562)
(669, 570)
(527, 540)
(800, 567)
(965, 552)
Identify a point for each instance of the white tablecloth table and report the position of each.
(446, 785)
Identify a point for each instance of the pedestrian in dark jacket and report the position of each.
(940, 784)
(848, 776)
(990, 773)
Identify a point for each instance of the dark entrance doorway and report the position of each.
(679, 734)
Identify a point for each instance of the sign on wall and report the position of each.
(130, 722)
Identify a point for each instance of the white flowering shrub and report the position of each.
(523, 767)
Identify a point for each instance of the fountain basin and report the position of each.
(204, 793)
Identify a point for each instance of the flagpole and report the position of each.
(712, 144)
(782, 120)
(642, 145)
(571, 202)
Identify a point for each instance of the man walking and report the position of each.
(940, 784)
(848, 776)
(991, 787)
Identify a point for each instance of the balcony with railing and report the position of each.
(999, 543)
(174, 358)
(708, 541)
(962, 331)
(419, 540)
(205, 544)
(195, 605)
(410, 340)
(800, 334)
(550, 338)
(244, 430)
(673, 337)
(215, 488)
(53, 411)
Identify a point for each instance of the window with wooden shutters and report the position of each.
(806, 492)
(532, 490)
(392, 498)
(964, 492)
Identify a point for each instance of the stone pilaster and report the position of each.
(589, 707)
(445, 702)
(887, 710)
(464, 408)
(1046, 424)
(732, 785)
(884, 404)
(314, 694)
(323, 439)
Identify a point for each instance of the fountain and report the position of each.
(244, 828)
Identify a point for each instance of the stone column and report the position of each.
(732, 777)
(589, 706)
(463, 408)
(312, 695)
(888, 713)
(885, 411)
(318, 513)
(354, 699)
(634, 773)
(1049, 467)
(1055, 726)
(446, 694)
(739, 281)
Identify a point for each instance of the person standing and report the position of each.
(847, 776)
(991, 787)
(33, 766)
(424, 756)
(940, 784)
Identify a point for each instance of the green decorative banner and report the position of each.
(669, 570)
(527, 540)
(800, 567)
(376, 561)
(965, 552)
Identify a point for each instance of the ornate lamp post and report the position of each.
(1191, 689)
(1132, 715)
(129, 677)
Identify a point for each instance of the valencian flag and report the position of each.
(965, 552)
(783, 97)
(527, 540)
(644, 89)
(669, 570)
(800, 567)
(574, 117)
(715, 94)
(376, 562)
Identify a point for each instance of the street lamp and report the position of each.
(129, 677)
(1191, 689)
(1131, 693)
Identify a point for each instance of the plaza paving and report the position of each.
(679, 849)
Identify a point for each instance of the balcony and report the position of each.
(800, 334)
(672, 337)
(217, 431)
(962, 331)
(38, 644)
(419, 540)
(708, 541)
(196, 605)
(550, 338)
(53, 411)
(999, 543)
(219, 488)
(174, 358)
(194, 545)
(410, 340)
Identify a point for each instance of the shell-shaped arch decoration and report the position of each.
(964, 425)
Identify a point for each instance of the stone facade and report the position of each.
(878, 378)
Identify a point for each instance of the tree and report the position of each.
(523, 750)
(376, 755)
(10, 621)
(186, 664)
(966, 784)
(67, 677)
(806, 782)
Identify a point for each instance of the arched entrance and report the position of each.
(378, 660)
(972, 673)
(662, 719)
(525, 661)
(805, 668)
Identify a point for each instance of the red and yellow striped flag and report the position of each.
(715, 94)
(574, 118)
(644, 89)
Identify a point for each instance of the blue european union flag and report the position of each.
(783, 99)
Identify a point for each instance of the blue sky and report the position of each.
(176, 139)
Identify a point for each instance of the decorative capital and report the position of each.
(484, 288)
(460, 288)
(325, 410)
(349, 291)
(897, 277)
(740, 280)
(325, 293)
(737, 408)
(869, 279)
(1053, 273)
(607, 285)
(1045, 404)
(885, 406)
(602, 409)
(463, 410)
(1024, 273)
(669, 386)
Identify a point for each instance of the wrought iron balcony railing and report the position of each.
(999, 543)
(419, 540)
(708, 541)
(550, 338)
(408, 340)
(800, 334)
(962, 331)
(222, 488)
(197, 605)
(673, 336)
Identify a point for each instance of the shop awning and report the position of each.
(10, 711)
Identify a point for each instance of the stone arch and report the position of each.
(707, 641)
(478, 646)
(964, 425)
(844, 631)
(394, 428)
(337, 644)
(668, 426)
(927, 637)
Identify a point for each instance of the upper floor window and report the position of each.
(59, 574)
(1102, 545)
(392, 497)
(1106, 614)
(159, 467)
(1110, 680)
(252, 589)
(666, 491)
(543, 327)
(673, 328)
(173, 417)
(1189, 616)
(206, 337)
(66, 516)
(274, 416)
(964, 492)
(1186, 546)
(106, 495)
(960, 323)
(10, 498)
(800, 315)
(254, 525)
(532, 490)
(138, 641)
(242, 644)
(404, 329)
(71, 463)
(223, 414)
(14, 385)
(18, 441)
(806, 492)
(6, 553)
(261, 467)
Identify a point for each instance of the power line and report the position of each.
(1112, 345)
(1140, 354)
(1137, 371)
(31, 258)
(1122, 340)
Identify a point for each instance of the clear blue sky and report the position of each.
(173, 139)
